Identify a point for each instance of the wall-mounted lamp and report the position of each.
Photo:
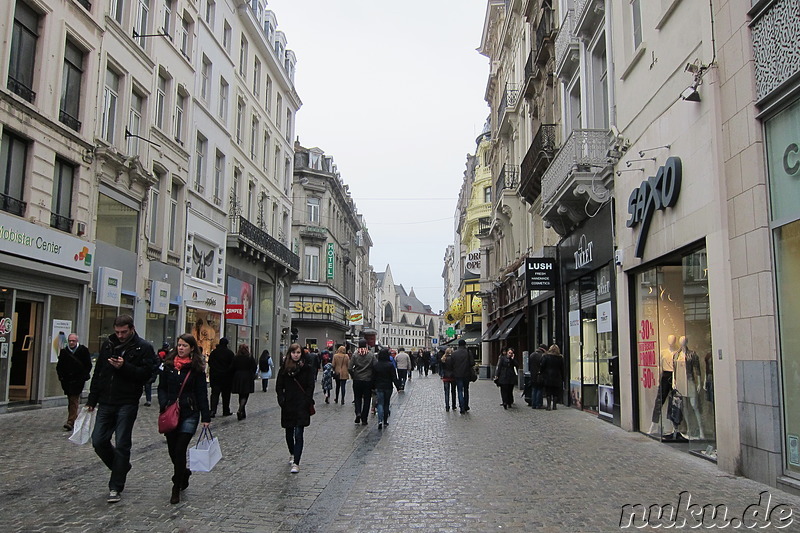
(631, 161)
(619, 172)
(697, 69)
(129, 134)
(642, 152)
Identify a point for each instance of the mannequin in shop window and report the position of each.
(687, 380)
(665, 386)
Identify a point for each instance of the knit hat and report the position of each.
(362, 343)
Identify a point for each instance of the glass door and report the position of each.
(24, 350)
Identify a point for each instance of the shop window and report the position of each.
(101, 322)
(674, 349)
(63, 321)
(204, 325)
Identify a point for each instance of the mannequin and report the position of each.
(687, 380)
(665, 386)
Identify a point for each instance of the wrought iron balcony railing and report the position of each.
(12, 205)
(20, 89)
(566, 38)
(484, 225)
(508, 179)
(544, 32)
(68, 120)
(265, 242)
(61, 222)
(539, 155)
(583, 151)
(509, 99)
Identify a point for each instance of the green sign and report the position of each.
(451, 332)
(330, 256)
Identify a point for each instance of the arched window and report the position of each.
(388, 314)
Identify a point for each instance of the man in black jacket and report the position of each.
(73, 368)
(461, 362)
(124, 365)
(220, 373)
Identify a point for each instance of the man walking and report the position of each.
(403, 362)
(462, 363)
(73, 368)
(361, 371)
(220, 374)
(124, 365)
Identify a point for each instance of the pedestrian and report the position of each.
(341, 363)
(183, 367)
(462, 366)
(434, 361)
(361, 372)
(265, 368)
(419, 363)
(295, 389)
(506, 376)
(124, 365)
(327, 381)
(425, 357)
(315, 360)
(74, 368)
(220, 373)
(384, 376)
(244, 369)
(448, 380)
(552, 369)
(403, 362)
(537, 379)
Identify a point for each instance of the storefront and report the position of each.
(204, 312)
(239, 309)
(43, 294)
(163, 298)
(321, 322)
(587, 274)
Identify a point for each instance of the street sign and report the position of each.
(435, 341)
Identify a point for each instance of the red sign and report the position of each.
(234, 311)
(329, 344)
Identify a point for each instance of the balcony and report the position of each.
(588, 15)
(259, 246)
(61, 222)
(567, 46)
(508, 101)
(508, 180)
(314, 233)
(576, 178)
(536, 161)
(12, 205)
(69, 121)
(20, 89)
(544, 37)
(484, 225)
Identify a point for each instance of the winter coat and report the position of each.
(295, 390)
(553, 370)
(265, 366)
(195, 393)
(461, 363)
(327, 377)
(361, 365)
(220, 370)
(122, 386)
(535, 366)
(505, 371)
(384, 375)
(403, 361)
(446, 369)
(74, 369)
(341, 362)
(244, 372)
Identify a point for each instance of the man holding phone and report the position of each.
(125, 364)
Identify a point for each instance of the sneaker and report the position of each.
(295, 469)
(358, 420)
(291, 459)
(113, 496)
(147, 404)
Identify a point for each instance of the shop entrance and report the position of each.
(25, 342)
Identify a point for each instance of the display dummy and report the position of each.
(687, 380)
(665, 385)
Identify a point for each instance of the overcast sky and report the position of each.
(394, 92)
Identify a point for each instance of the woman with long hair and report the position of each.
(506, 376)
(183, 366)
(295, 389)
(244, 371)
(341, 362)
(448, 379)
(552, 370)
(384, 376)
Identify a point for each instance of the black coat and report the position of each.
(195, 393)
(535, 366)
(384, 375)
(295, 391)
(461, 363)
(505, 371)
(553, 370)
(244, 374)
(125, 385)
(220, 363)
(74, 369)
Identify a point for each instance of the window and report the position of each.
(167, 26)
(153, 234)
(205, 77)
(256, 77)
(251, 193)
(69, 108)
(265, 152)
(161, 100)
(226, 37)
(268, 94)
(288, 124)
(219, 175)
(117, 223)
(243, 58)
(140, 26)
(239, 121)
(277, 161)
(180, 105)
(201, 147)
(23, 51)
(135, 122)
(287, 175)
(173, 217)
(278, 111)
(117, 9)
(210, 9)
(13, 162)
(254, 138)
(237, 179)
(110, 96)
(312, 263)
(313, 210)
(186, 38)
(223, 100)
(487, 195)
(636, 12)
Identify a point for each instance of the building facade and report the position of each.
(405, 321)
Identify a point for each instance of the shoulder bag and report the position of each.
(311, 409)
(168, 420)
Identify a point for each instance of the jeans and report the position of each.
(341, 387)
(462, 388)
(536, 397)
(148, 392)
(226, 399)
(264, 384)
(362, 390)
(116, 419)
(384, 395)
(449, 392)
(294, 440)
(402, 375)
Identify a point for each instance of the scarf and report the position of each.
(179, 362)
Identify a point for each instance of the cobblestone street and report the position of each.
(430, 470)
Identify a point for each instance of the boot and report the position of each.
(548, 403)
(176, 494)
(185, 483)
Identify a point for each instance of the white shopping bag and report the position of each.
(206, 453)
(84, 424)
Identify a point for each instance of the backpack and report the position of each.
(263, 362)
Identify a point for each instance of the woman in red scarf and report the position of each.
(183, 363)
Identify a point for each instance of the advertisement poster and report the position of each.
(356, 317)
(576, 399)
(61, 329)
(574, 323)
(239, 305)
(606, 400)
(604, 317)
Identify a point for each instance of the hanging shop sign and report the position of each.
(109, 286)
(540, 273)
(159, 297)
(588, 248)
(473, 264)
(331, 256)
(356, 317)
(655, 193)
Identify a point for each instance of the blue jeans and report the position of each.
(116, 419)
(384, 395)
(294, 440)
(536, 398)
(341, 387)
(462, 387)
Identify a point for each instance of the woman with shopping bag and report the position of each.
(295, 388)
(182, 379)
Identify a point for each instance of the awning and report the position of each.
(501, 329)
(472, 338)
(507, 331)
(489, 332)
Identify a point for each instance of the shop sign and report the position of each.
(356, 317)
(32, 241)
(588, 248)
(783, 163)
(329, 344)
(234, 312)
(159, 297)
(323, 307)
(648, 360)
(109, 286)
(583, 255)
(655, 193)
(331, 256)
(574, 323)
(5, 336)
(606, 398)
(540, 273)
(60, 332)
(473, 265)
(204, 299)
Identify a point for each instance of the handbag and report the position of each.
(473, 374)
(311, 409)
(168, 420)
(675, 407)
(206, 453)
(84, 425)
